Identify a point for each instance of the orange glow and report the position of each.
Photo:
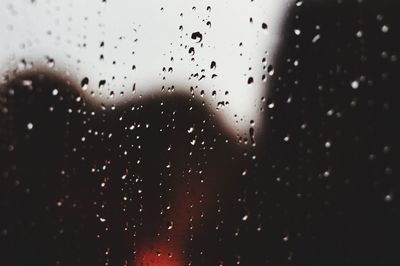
(161, 256)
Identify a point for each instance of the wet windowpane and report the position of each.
(176, 133)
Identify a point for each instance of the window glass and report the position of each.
(199, 133)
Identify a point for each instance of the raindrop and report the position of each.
(328, 144)
(316, 38)
(264, 26)
(355, 84)
(386, 149)
(299, 2)
(27, 82)
(252, 135)
(264, 61)
(50, 62)
(270, 70)
(385, 28)
(197, 36)
(84, 83)
(213, 65)
(102, 83)
(170, 225)
(190, 130)
(271, 105)
(389, 197)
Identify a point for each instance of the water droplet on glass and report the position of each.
(385, 28)
(197, 36)
(170, 225)
(355, 84)
(271, 105)
(389, 197)
(84, 83)
(264, 26)
(328, 144)
(50, 62)
(299, 2)
(316, 38)
(270, 70)
(102, 83)
(250, 80)
(213, 65)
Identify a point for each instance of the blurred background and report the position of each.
(163, 133)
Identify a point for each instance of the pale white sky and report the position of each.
(146, 34)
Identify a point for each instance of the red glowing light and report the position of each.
(161, 256)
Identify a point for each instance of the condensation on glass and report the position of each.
(198, 133)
